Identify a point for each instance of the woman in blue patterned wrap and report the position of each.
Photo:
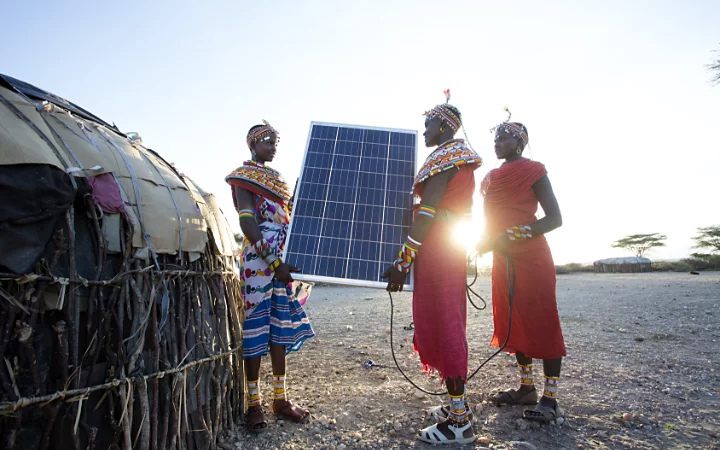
(274, 317)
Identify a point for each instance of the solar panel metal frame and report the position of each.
(336, 280)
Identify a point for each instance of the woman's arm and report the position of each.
(248, 225)
(553, 218)
(251, 230)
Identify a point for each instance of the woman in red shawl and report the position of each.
(445, 184)
(512, 193)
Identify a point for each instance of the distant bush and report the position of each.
(698, 262)
(704, 261)
(573, 268)
(671, 266)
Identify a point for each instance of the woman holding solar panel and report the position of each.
(274, 317)
(445, 185)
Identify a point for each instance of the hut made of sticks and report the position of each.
(120, 310)
(622, 265)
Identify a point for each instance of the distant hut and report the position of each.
(631, 264)
(120, 297)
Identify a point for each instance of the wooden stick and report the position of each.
(175, 424)
(61, 344)
(124, 420)
(136, 340)
(36, 296)
(28, 352)
(8, 328)
(143, 443)
(155, 368)
(72, 315)
(10, 436)
(73, 305)
(100, 257)
(167, 416)
(92, 437)
(60, 247)
(113, 398)
(51, 413)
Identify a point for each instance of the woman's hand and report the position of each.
(484, 245)
(396, 279)
(487, 244)
(501, 243)
(284, 271)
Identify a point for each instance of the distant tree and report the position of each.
(238, 238)
(708, 237)
(641, 243)
(714, 68)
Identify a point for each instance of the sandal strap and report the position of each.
(432, 433)
(513, 397)
(255, 418)
(442, 412)
(547, 413)
(289, 410)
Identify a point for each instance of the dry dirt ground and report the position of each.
(641, 347)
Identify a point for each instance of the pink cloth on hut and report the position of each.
(106, 193)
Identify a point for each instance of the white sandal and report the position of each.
(432, 435)
(441, 413)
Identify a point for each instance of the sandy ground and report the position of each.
(643, 347)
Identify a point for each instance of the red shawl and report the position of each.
(510, 200)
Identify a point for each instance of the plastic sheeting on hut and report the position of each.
(622, 265)
(120, 310)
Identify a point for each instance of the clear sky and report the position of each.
(615, 94)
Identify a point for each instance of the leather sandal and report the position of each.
(255, 420)
(513, 397)
(285, 409)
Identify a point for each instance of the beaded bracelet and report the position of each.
(263, 248)
(428, 211)
(407, 255)
(521, 232)
(266, 251)
(246, 213)
(275, 264)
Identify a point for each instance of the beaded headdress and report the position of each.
(443, 112)
(260, 132)
(514, 128)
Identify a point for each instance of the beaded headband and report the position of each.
(260, 132)
(445, 113)
(516, 129)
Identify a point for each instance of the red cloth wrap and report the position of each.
(509, 201)
(439, 301)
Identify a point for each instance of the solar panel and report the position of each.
(353, 203)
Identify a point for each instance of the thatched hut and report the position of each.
(622, 265)
(120, 311)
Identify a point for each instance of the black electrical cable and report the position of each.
(511, 288)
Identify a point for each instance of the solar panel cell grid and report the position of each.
(353, 203)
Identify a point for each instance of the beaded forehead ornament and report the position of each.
(261, 133)
(445, 113)
(513, 128)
